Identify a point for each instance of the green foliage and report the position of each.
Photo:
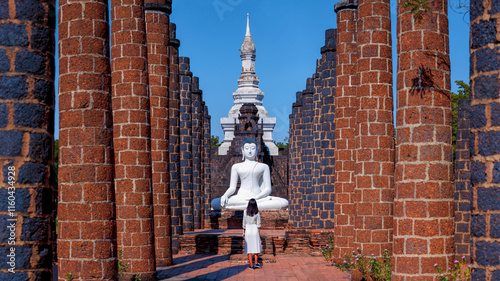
(327, 250)
(463, 93)
(418, 8)
(214, 141)
(136, 278)
(461, 271)
(69, 277)
(378, 270)
(284, 144)
(122, 267)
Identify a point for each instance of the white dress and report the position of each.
(252, 236)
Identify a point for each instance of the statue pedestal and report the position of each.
(233, 219)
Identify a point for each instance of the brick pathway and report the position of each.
(218, 267)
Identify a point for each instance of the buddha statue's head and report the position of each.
(250, 149)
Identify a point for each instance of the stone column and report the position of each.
(345, 126)
(26, 139)
(174, 140)
(131, 138)
(423, 204)
(157, 37)
(186, 155)
(374, 165)
(196, 138)
(305, 188)
(206, 165)
(87, 220)
(295, 139)
(463, 194)
(325, 206)
(485, 131)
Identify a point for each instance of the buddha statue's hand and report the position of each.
(223, 201)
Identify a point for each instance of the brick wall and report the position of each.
(157, 38)
(485, 139)
(86, 210)
(345, 119)
(131, 138)
(423, 205)
(26, 139)
(374, 167)
(463, 194)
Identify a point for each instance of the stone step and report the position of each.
(242, 258)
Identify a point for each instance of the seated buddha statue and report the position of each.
(255, 180)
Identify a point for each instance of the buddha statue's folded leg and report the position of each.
(272, 203)
(216, 204)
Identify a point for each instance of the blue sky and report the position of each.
(288, 35)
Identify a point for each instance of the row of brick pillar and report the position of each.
(312, 145)
(392, 191)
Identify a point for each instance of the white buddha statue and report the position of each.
(255, 180)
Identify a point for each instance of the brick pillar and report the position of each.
(306, 156)
(131, 138)
(485, 131)
(26, 139)
(325, 189)
(374, 166)
(206, 166)
(345, 126)
(186, 160)
(295, 149)
(423, 204)
(87, 223)
(196, 138)
(157, 37)
(317, 200)
(174, 140)
(463, 194)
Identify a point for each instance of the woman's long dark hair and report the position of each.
(252, 208)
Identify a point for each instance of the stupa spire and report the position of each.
(248, 47)
(248, 26)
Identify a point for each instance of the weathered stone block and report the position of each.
(23, 256)
(489, 143)
(478, 274)
(43, 91)
(487, 254)
(487, 59)
(13, 87)
(31, 10)
(4, 61)
(18, 276)
(483, 33)
(40, 146)
(35, 229)
(478, 226)
(14, 35)
(478, 172)
(486, 87)
(29, 115)
(495, 226)
(488, 199)
(23, 200)
(41, 38)
(11, 143)
(30, 173)
(27, 61)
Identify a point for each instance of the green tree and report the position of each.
(463, 93)
(284, 144)
(214, 141)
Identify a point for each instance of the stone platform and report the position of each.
(274, 242)
(233, 219)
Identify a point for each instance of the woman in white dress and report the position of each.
(251, 224)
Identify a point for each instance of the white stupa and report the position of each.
(248, 92)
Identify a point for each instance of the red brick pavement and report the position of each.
(218, 267)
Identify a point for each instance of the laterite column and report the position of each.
(131, 138)
(374, 167)
(423, 207)
(157, 37)
(86, 210)
(485, 132)
(207, 152)
(345, 126)
(197, 136)
(174, 139)
(186, 156)
(26, 139)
